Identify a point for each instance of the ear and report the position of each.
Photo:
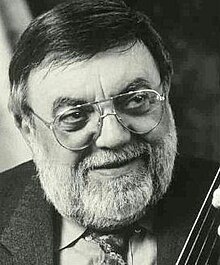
(25, 127)
(166, 87)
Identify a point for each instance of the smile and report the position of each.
(114, 170)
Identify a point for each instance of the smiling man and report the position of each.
(89, 93)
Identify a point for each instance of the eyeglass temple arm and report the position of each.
(47, 124)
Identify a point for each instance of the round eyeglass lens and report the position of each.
(76, 128)
(139, 111)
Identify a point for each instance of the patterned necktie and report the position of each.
(114, 245)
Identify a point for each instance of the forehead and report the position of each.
(102, 76)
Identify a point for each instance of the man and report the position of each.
(89, 93)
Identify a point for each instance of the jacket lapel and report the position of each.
(29, 231)
(170, 241)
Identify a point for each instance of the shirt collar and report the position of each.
(147, 221)
(71, 230)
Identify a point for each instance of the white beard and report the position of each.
(113, 202)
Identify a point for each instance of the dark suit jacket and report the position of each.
(27, 220)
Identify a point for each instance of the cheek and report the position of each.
(165, 126)
(53, 150)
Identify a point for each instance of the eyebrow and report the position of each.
(65, 101)
(134, 85)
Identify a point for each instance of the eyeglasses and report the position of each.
(77, 127)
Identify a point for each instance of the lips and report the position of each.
(115, 164)
(114, 170)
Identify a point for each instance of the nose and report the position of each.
(112, 134)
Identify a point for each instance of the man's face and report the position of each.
(110, 183)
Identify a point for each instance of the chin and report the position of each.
(115, 203)
(110, 224)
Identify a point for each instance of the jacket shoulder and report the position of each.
(15, 177)
(192, 178)
(23, 169)
(193, 175)
(12, 185)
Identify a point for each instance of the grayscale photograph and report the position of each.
(109, 132)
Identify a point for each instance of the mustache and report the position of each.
(113, 158)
